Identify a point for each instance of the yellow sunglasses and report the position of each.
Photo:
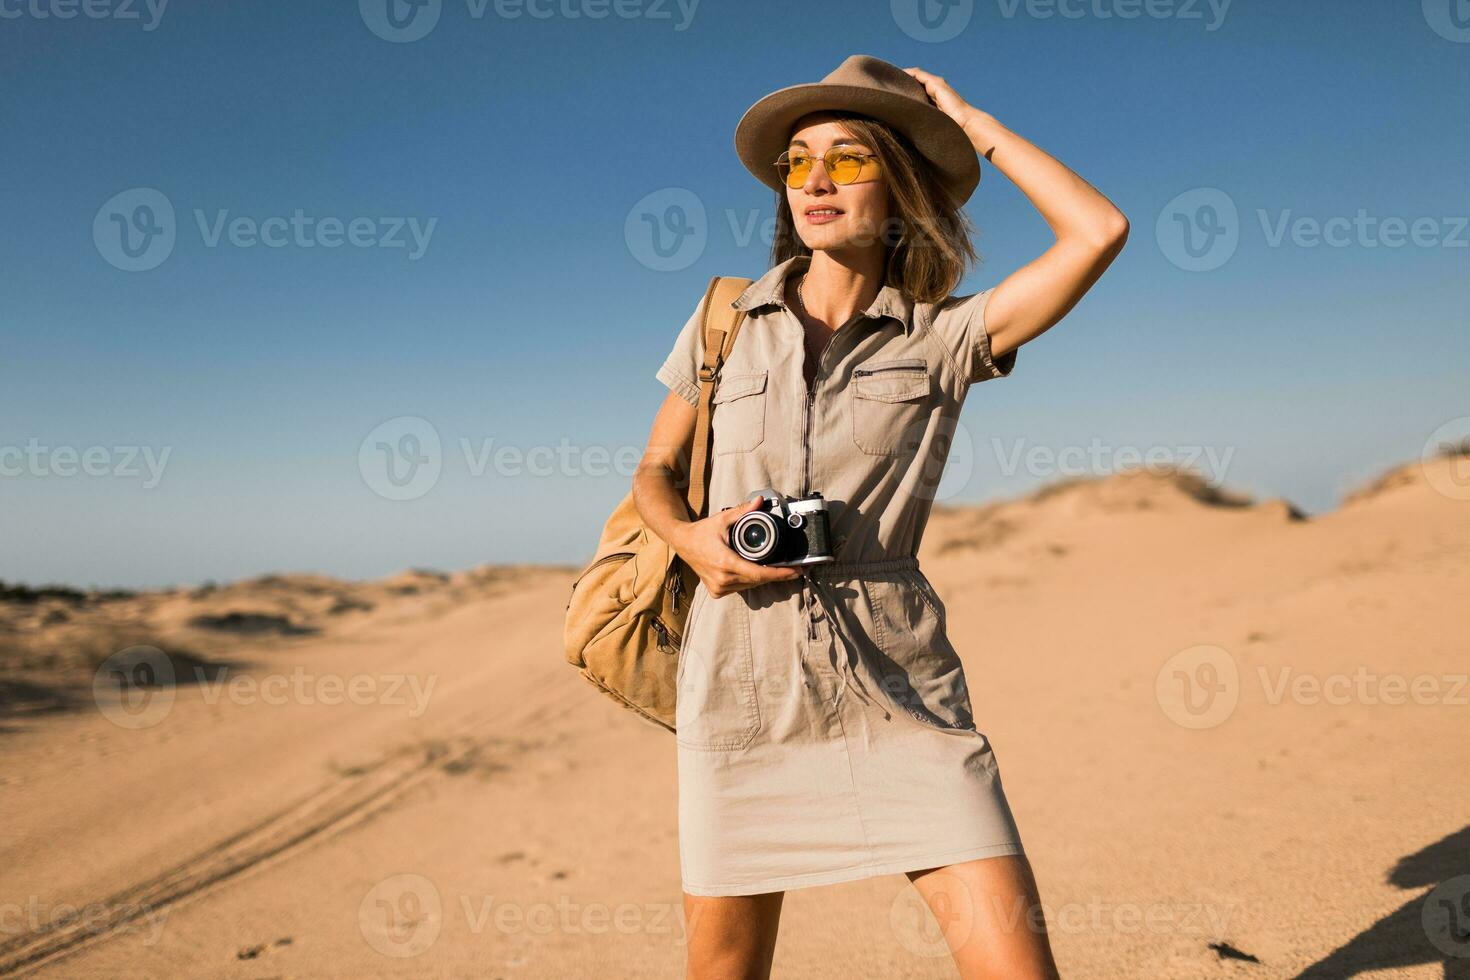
(843, 164)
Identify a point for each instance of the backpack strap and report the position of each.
(721, 326)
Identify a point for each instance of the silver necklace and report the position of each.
(800, 299)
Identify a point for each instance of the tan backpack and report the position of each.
(625, 618)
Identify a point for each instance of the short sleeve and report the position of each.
(680, 370)
(975, 352)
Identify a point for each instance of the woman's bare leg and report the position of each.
(990, 913)
(731, 938)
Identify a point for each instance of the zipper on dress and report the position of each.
(806, 439)
(811, 401)
(864, 372)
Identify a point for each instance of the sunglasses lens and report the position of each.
(794, 168)
(843, 168)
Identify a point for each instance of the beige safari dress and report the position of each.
(824, 724)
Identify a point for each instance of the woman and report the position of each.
(824, 725)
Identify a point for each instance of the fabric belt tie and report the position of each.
(814, 591)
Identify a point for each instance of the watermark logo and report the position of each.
(400, 21)
(1198, 687)
(922, 930)
(410, 691)
(1451, 443)
(932, 21)
(1121, 10)
(135, 230)
(120, 462)
(667, 230)
(1450, 19)
(1199, 230)
(134, 688)
(119, 10)
(1101, 459)
(35, 915)
(401, 916)
(402, 458)
(1363, 686)
(1445, 915)
(948, 462)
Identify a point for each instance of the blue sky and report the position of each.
(457, 234)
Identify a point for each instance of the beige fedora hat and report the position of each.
(871, 87)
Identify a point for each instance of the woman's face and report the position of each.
(830, 216)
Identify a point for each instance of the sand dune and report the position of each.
(1234, 738)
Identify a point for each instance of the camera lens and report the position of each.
(754, 535)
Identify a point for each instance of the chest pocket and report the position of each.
(739, 412)
(890, 405)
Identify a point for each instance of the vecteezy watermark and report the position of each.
(301, 687)
(945, 920)
(401, 459)
(1445, 459)
(403, 915)
(1198, 687)
(1450, 19)
(568, 917)
(932, 21)
(1099, 459)
(563, 459)
(669, 229)
(1363, 686)
(94, 918)
(51, 462)
(1209, 12)
(1200, 230)
(1445, 916)
(1201, 686)
(134, 687)
(404, 21)
(942, 20)
(137, 229)
(147, 13)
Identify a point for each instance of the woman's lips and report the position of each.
(820, 216)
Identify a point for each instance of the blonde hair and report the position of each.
(927, 235)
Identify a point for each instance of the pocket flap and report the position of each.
(734, 386)
(892, 381)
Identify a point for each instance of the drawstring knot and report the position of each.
(851, 656)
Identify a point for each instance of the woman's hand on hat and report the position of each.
(705, 547)
(948, 101)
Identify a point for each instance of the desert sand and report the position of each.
(1237, 742)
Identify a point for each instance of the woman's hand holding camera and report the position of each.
(705, 546)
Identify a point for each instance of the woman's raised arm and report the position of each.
(1089, 229)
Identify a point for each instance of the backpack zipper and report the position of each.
(668, 641)
(586, 571)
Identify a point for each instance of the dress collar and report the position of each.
(769, 290)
